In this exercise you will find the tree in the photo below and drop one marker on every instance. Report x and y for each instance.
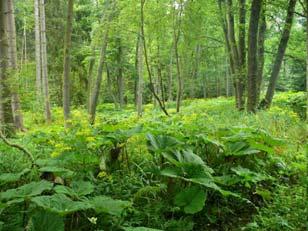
(139, 53)
(12, 62)
(41, 57)
(6, 116)
(266, 102)
(252, 75)
(67, 62)
(261, 49)
(97, 86)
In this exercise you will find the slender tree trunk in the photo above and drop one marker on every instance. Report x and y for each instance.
(140, 77)
(265, 103)
(6, 115)
(67, 62)
(90, 81)
(261, 40)
(12, 55)
(38, 51)
(97, 86)
(120, 81)
(242, 54)
(170, 77)
(224, 24)
(44, 63)
(142, 2)
(176, 37)
(252, 55)
(110, 88)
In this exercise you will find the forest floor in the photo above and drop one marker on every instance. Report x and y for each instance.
(245, 171)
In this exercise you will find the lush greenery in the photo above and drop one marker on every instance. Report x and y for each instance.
(208, 168)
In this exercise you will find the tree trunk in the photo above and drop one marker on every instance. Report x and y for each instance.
(110, 88)
(90, 81)
(38, 51)
(261, 40)
(242, 54)
(142, 2)
(97, 86)
(120, 81)
(6, 115)
(170, 77)
(176, 37)
(12, 55)
(67, 62)
(44, 63)
(252, 55)
(140, 77)
(265, 103)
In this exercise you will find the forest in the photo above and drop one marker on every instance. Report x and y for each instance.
(151, 115)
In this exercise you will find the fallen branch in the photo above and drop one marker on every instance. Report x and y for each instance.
(17, 146)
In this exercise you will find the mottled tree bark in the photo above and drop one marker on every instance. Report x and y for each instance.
(67, 62)
(252, 55)
(265, 103)
(12, 64)
(6, 115)
(242, 54)
(44, 68)
(261, 40)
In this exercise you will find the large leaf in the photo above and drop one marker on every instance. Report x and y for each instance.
(27, 190)
(46, 221)
(61, 204)
(104, 204)
(78, 189)
(12, 177)
(191, 199)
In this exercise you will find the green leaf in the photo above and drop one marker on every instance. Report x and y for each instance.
(192, 199)
(12, 177)
(60, 204)
(27, 190)
(78, 189)
(104, 204)
(46, 221)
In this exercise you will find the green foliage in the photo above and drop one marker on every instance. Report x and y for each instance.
(193, 170)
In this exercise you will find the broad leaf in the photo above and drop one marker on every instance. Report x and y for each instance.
(46, 221)
(191, 199)
(104, 204)
(60, 204)
(27, 190)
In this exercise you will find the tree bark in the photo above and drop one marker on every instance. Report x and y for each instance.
(98, 82)
(266, 103)
(12, 55)
(140, 77)
(44, 62)
(176, 37)
(67, 62)
(242, 54)
(6, 115)
(261, 40)
(120, 81)
(90, 80)
(38, 51)
(252, 55)
(170, 77)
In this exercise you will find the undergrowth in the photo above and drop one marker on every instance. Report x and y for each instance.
(208, 167)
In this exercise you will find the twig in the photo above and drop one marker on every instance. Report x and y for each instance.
(17, 146)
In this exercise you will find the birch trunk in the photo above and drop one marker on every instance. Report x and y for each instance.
(44, 68)
(12, 62)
